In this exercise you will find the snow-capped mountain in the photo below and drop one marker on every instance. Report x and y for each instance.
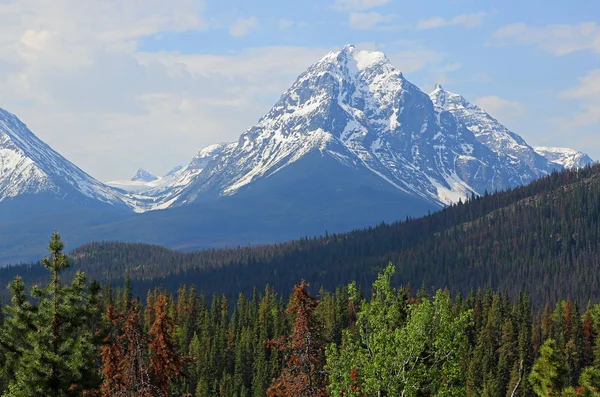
(568, 158)
(355, 107)
(30, 167)
(352, 111)
(494, 135)
(144, 176)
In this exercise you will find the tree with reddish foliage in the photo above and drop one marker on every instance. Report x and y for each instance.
(588, 340)
(124, 357)
(303, 374)
(165, 362)
(110, 354)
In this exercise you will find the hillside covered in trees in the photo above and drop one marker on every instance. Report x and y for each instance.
(543, 238)
(78, 339)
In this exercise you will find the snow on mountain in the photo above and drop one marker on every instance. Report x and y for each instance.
(568, 158)
(357, 108)
(351, 107)
(162, 192)
(144, 176)
(174, 170)
(494, 135)
(29, 166)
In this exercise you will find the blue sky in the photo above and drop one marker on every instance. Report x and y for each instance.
(120, 85)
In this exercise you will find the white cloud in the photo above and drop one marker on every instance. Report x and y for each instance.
(243, 26)
(588, 94)
(73, 71)
(557, 39)
(368, 20)
(588, 88)
(499, 108)
(466, 20)
(359, 5)
(414, 58)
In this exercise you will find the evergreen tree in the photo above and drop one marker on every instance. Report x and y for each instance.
(548, 377)
(49, 345)
(303, 374)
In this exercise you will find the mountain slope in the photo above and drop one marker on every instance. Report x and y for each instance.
(494, 135)
(568, 158)
(29, 167)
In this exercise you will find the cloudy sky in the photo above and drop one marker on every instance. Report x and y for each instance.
(117, 85)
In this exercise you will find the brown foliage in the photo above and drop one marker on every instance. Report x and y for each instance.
(303, 374)
(165, 362)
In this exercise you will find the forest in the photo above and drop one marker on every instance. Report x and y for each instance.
(543, 238)
(79, 338)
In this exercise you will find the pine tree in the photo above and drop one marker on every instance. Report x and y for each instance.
(303, 374)
(548, 377)
(51, 350)
(165, 362)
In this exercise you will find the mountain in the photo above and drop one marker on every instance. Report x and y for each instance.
(143, 176)
(355, 108)
(568, 158)
(494, 135)
(543, 238)
(35, 179)
(351, 143)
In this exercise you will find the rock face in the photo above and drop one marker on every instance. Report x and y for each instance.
(488, 131)
(567, 158)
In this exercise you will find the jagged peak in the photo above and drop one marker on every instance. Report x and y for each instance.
(144, 176)
(361, 59)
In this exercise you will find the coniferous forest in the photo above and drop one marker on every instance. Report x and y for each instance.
(78, 338)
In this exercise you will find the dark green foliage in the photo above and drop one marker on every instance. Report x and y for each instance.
(48, 343)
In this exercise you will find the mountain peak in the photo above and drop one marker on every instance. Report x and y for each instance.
(143, 176)
(356, 60)
(174, 170)
(438, 87)
(349, 48)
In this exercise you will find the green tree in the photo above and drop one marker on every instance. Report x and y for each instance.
(50, 347)
(400, 349)
(548, 377)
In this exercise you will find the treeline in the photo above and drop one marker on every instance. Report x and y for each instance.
(543, 238)
(78, 339)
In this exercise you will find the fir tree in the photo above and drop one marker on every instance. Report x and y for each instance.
(50, 347)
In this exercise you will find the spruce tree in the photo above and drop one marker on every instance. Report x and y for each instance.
(50, 346)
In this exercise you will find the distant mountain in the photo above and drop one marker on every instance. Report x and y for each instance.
(174, 170)
(143, 176)
(568, 158)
